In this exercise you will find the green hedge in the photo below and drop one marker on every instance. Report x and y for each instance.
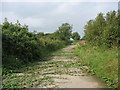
(21, 46)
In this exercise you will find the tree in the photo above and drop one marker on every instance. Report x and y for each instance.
(75, 36)
(64, 32)
(103, 30)
(110, 33)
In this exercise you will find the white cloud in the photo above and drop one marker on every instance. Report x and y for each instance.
(30, 21)
(59, 0)
(34, 22)
(11, 16)
(65, 7)
(104, 8)
(62, 8)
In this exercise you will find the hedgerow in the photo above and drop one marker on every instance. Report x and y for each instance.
(21, 46)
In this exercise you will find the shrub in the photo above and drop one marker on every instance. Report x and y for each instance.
(26, 46)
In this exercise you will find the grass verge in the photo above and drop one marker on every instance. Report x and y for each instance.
(103, 62)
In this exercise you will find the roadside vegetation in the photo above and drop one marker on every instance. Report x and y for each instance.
(26, 54)
(102, 62)
(21, 48)
(99, 49)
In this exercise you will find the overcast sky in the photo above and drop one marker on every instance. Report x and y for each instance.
(47, 15)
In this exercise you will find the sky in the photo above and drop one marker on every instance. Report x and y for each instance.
(47, 15)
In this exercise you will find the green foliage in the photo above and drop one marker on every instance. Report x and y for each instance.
(40, 34)
(102, 62)
(19, 42)
(64, 32)
(103, 30)
(75, 36)
(49, 43)
(26, 46)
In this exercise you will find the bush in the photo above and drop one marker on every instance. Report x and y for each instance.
(21, 46)
(51, 45)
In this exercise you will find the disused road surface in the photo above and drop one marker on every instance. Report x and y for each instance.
(62, 69)
(70, 74)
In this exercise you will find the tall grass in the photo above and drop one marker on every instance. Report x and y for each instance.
(104, 62)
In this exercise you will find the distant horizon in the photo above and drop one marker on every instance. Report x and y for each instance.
(48, 16)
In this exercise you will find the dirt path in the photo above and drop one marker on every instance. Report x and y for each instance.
(69, 73)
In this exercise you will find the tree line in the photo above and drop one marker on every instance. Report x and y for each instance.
(103, 30)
